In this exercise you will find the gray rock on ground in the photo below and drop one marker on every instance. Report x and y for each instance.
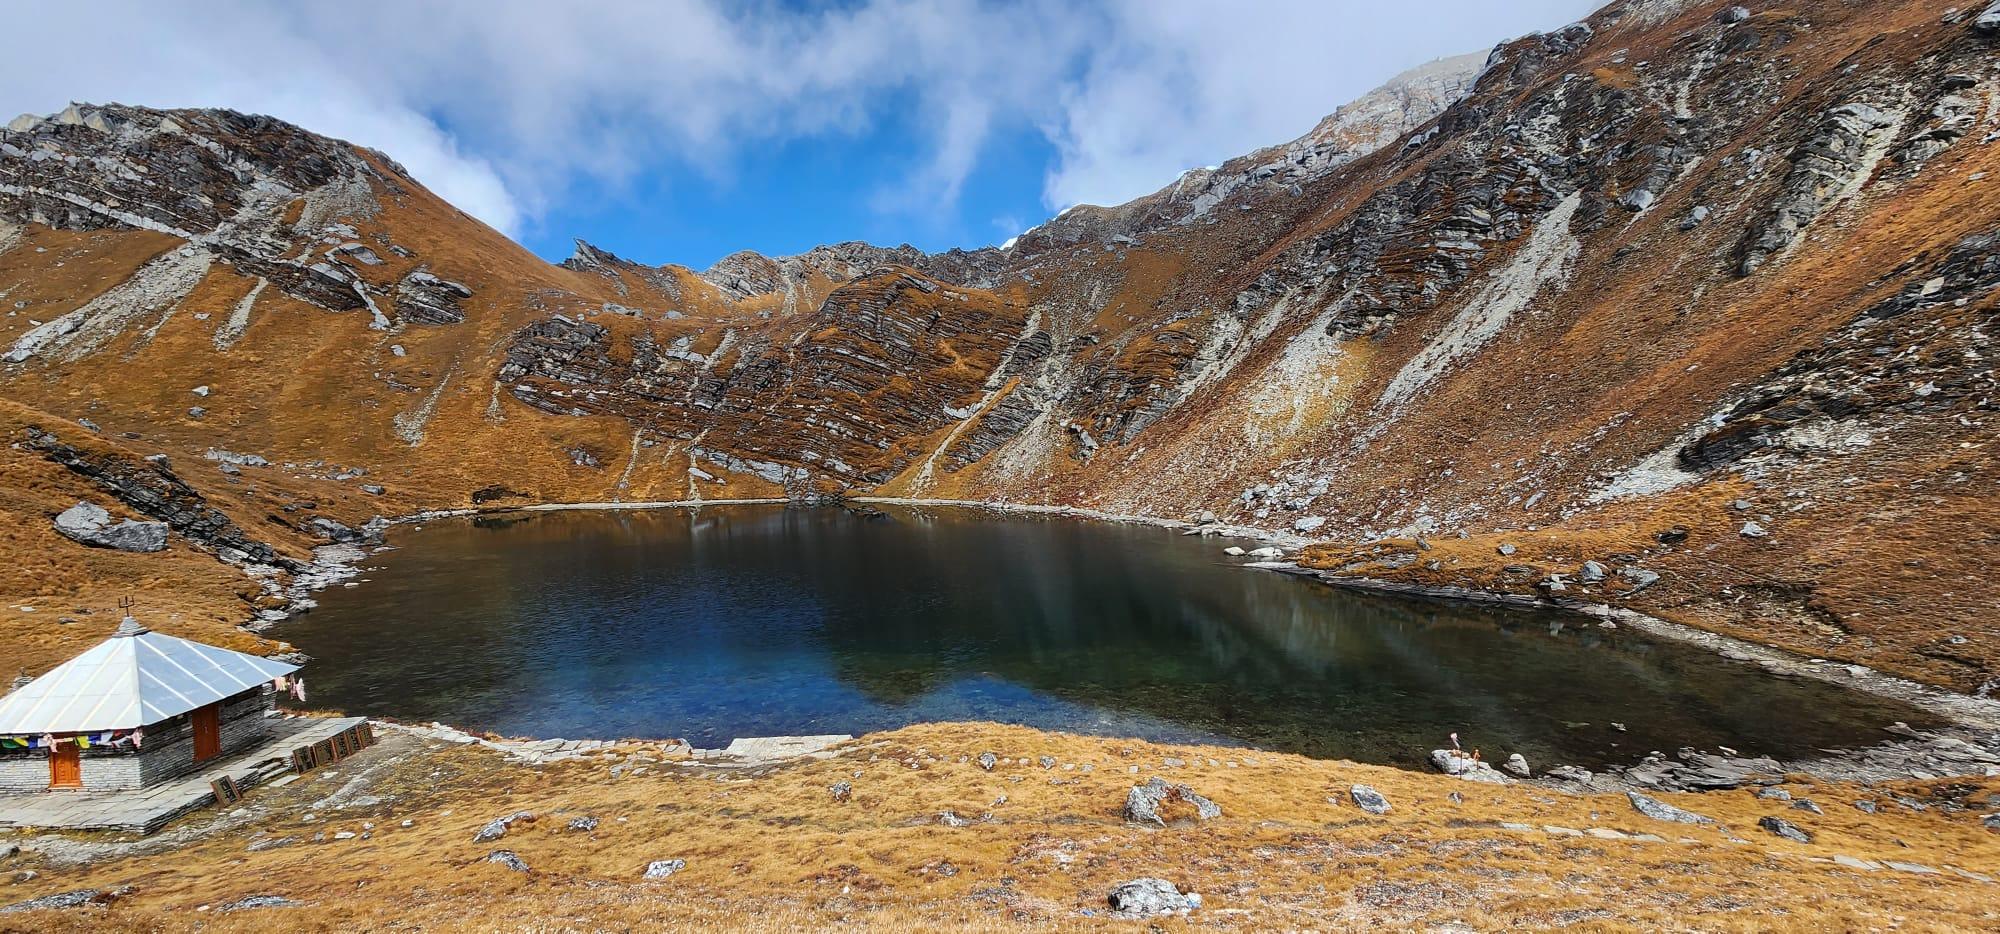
(258, 901)
(1146, 898)
(842, 792)
(1660, 810)
(507, 858)
(498, 827)
(1988, 20)
(1784, 828)
(1570, 773)
(1518, 765)
(1806, 804)
(1368, 799)
(988, 760)
(76, 899)
(1143, 802)
(90, 524)
(582, 824)
(662, 868)
(1463, 765)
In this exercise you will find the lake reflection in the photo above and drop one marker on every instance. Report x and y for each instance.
(763, 620)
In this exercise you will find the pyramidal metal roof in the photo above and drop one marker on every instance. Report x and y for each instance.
(135, 678)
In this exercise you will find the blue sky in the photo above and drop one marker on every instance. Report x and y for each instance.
(791, 195)
(682, 130)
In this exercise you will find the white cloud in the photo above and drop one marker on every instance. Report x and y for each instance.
(1183, 83)
(501, 105)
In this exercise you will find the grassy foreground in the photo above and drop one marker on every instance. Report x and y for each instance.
(772, 849)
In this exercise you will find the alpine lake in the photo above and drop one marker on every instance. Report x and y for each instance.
(720, 622)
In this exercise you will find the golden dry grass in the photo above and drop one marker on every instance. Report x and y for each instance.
(772, 850)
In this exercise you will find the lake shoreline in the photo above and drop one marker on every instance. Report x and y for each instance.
(1957, 709)
(1962, 709)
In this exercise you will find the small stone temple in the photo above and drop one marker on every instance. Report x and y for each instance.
(137, 710)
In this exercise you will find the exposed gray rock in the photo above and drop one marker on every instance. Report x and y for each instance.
(333, 530)
(1835, 155)
(1865, 807)
(1639, 578)
(507, 858)
(1047, 762)
(1732, 15)
(1463, 765)
(498, 827)
(360, 253)
(1368, 799)
(1517, 764)
(662, 868)
(1660, 810)
(582, 824)
(1590, 573)
(842, 792)
(1988, 21)
(91, 525)
(1784, 828)
(82, 518)
(1774, 794)
(258, 901)
(427, 299)
(231, 457)
(76, 899)
(1752, 529)
(950, 818)
(988, 760)
(1143, 802)
(1806, 804)
(1146, 898)
(1570, 773)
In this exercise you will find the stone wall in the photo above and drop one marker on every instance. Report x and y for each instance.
(24, 773)
(168, 751)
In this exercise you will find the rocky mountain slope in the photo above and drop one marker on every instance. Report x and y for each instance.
(1688, 307)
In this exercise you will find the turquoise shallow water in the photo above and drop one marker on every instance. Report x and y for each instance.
(764, 620)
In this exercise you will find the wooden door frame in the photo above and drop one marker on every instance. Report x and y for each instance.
(209, 717)
(69, 752)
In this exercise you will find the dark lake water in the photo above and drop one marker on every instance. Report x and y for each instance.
(763, 620)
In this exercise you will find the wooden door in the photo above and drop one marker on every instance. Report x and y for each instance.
(65, 766)
(207, 732)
